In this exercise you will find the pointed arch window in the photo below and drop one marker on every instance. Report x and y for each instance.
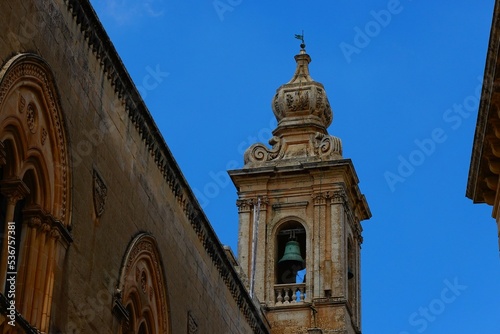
(34, 187)
(142, 289)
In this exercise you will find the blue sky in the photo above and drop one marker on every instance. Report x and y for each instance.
(402, 78)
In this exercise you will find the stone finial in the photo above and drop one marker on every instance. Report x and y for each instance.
(304, 114)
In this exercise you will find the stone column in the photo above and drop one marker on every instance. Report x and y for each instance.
(27, 273)
(14, 190)
(54, 236)
(41, 274)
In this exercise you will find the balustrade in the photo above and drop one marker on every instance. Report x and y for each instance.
(289, 293)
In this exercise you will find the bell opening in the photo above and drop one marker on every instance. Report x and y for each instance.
(291, 254)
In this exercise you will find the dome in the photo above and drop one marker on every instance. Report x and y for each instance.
(302, 99)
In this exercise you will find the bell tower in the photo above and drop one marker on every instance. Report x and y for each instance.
(300, 210)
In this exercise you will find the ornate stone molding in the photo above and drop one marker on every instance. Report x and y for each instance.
(14, 189)
(141, 260)
(248, 204)
(30, 68)
(36, 217)
(244, 205)
(320, 198)
(339, 196)
(321, 145)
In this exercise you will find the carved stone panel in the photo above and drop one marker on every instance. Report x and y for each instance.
(100, 193)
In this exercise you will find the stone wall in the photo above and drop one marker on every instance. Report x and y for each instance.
(124, 182)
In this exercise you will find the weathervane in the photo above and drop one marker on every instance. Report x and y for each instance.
(301, 37)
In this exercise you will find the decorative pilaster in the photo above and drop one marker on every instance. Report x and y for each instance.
(321, 279)
(339, 246)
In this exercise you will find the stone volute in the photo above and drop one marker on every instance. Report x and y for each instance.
(303, 113)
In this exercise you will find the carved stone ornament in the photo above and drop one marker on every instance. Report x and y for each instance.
(260, 153)
(100, 194)
(302, 96)
(327, 146)
(192, 325)
(44, 136)
(32, 117)
(144, 281)
(22, 103)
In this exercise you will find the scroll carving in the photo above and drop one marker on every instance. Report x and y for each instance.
(260, 153)
(327, 146)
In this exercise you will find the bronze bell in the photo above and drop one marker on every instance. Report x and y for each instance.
(292, 258)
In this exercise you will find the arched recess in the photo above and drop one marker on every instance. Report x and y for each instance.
(34, 185)
(290, 236)
(142, 287)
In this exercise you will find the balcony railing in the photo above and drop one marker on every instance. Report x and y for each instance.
(289, 293)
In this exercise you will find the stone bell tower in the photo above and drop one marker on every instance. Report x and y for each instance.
(303, 259)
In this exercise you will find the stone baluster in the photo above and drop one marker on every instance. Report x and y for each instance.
(279, 297)
(287, 296)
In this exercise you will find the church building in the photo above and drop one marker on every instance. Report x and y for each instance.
(100, 231)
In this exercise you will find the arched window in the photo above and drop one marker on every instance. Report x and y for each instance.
(291, 253)
(34, 186)
(143, 290)
(290, 263)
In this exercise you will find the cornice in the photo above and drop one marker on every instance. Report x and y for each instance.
(101, 46)
(489, 89)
